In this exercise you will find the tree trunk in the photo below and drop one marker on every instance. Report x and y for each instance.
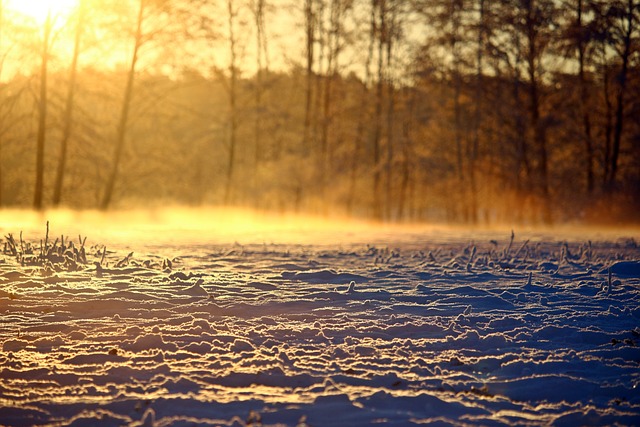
(620, 98)
(332, 68)
(327, 100)
(608, 127)
(457, 89)
(358, 141)
(454, 14)
(390, 112)
(259, 22)
(233, 69)
(523, 169)
(42, 117)
(319, 148)
(541, 184)
(124, 113)
(260, 48)
(407, 122)
(68, 116)
(377, 127)
(479, 95)
(310, 40)
(585, 102)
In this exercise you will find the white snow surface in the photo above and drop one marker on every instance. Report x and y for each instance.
(406, 330)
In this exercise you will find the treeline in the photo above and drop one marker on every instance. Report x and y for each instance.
(467, 110)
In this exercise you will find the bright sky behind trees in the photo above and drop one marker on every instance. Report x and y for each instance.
(39, 9)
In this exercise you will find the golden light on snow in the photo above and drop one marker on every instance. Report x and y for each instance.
(441, 325)
(40, 9)
(188, 225)
(229, 225)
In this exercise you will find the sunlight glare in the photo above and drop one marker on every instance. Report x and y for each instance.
(39, 9)
(244, 226)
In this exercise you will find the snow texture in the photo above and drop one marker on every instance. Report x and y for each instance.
(448, 333)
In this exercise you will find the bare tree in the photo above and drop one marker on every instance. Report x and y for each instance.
(582, 37)
(69, 106)
(12, 92)
(138, 40)
(393, 35)
(622, 19)
(310, 39)
(474, 147)
(363, 111)
(333, 36)
(534, 24)
(333, 52)
(42, 115)
(233, 95)
(262, 64)
(379, 6)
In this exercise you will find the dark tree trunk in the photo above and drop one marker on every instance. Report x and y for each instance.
(319, 79)
(523, 170)
(457, 107)
(333, 52)
(479, 95)
(124, 113)
(377, 127)
(541, 184)
(390, 110)
(407, 123)
(608, 127)
(358, 141)
(620, 98)
(260, 50)
(585, 101)
(310, 52)
(457, 90)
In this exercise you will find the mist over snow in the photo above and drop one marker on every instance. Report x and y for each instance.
(293, 325)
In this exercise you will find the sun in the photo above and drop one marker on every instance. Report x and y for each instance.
(39, 9)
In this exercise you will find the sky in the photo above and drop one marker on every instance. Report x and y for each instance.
(40, 9)
(285, 41)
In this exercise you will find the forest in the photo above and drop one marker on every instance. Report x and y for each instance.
(465, 111)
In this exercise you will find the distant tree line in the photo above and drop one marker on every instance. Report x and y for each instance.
(471, 111)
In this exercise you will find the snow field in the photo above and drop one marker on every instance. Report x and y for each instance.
(498, 332)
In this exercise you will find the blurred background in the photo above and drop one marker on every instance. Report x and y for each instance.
(459, 111)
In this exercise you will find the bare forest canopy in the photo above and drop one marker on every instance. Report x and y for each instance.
(470, 111)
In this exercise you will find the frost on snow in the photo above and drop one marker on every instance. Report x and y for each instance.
(449, 332)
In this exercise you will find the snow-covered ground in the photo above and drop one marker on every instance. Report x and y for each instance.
(396, 328)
